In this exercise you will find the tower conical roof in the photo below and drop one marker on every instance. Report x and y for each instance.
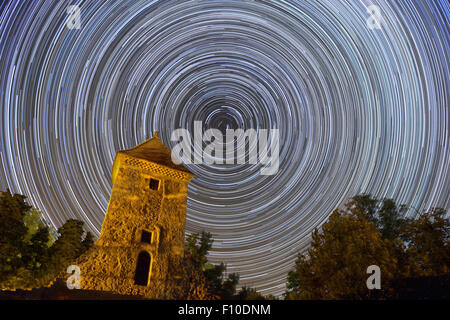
(155, 151)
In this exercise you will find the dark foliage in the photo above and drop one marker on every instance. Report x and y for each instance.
(413, 254)
(29, 256)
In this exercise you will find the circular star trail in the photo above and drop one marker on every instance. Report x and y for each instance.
(359, 110)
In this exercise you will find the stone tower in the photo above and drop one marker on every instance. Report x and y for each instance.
(143, 230)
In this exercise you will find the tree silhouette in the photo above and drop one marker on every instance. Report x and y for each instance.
(31, 257)
(198, 278)
(366, 232)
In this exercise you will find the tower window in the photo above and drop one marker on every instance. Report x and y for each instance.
(142, 272)
(146, 237)
(154, 184)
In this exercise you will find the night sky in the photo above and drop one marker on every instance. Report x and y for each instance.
(359, 110)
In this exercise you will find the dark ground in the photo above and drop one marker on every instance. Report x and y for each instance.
(59, 291)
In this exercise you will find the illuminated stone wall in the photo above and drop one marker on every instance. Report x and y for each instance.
(134, 207)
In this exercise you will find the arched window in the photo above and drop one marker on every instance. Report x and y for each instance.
(142, 268)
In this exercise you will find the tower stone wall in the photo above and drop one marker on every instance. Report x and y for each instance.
(145, 217)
